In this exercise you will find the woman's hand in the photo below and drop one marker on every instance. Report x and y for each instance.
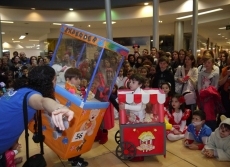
(59, 114)
(180, 80)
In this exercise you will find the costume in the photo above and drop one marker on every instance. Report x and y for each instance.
(71, 88)
(200, 136)
(221, 146)
(11, 120)
(178, 120)
(137, 111)
(167, 102)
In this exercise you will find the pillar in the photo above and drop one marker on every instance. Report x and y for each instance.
(156, 23)
(1, 48)
(178, 35)
(194, 27)
(108, 19)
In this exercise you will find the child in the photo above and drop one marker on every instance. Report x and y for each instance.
(120, 81)
(144, 71)
(177, 116)
(163, 75)
(208, 78)
(147, 83)
(197, 133)
(166, 87)
(152, 72)
(72, 76)
(137, 110)
(218, 145)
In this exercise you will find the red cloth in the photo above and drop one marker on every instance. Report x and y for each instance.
(108, 120)
(210, 99)
(167, 101)
(10, 155)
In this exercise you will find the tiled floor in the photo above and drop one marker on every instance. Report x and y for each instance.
(104, 156)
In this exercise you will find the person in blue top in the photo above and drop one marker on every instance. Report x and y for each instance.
(41, 82)
(197, 132)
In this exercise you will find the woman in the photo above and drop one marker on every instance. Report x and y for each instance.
(41, 82)
(182, 54)
(175, 61)
(186, 78)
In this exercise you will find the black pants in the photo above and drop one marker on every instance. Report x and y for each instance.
(211, 124)
(2, 160)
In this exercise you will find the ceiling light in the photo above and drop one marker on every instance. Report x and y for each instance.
(113, 22)
(3, 32)
(33, 40)
(22, 37)
(146, 4)
(219, 34)
(89, 25)
(38, 45)
(223, 36)
(16, 41)
(58, 24)
(71, 9)
(226, 38)
(7, 22)
(201, 13)
(222, 28)
(12, 39)
(160, 21)
(32, 8)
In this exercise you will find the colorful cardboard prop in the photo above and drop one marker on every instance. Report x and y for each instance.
(147, 137)
(76, 48)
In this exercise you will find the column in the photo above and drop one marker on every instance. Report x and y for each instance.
(194, 27)
(108, 19)
(1, 49)
(178, 35)
(156, 23)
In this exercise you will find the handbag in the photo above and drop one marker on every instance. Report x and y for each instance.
(36, 160)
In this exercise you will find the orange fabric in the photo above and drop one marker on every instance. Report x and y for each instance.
(68, 87)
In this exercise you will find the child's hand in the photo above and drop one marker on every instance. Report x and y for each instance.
(176, 132)
(209, 153)
(122, 106)
(193, 146)
(186, 143)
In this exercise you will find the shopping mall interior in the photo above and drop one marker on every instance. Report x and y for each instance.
(33, 27)
(130, 19)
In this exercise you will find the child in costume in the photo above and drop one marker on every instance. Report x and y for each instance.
(177, 116)
(72, 76)
(166, 87)
(218, 145)
(197, 133)
(136, 111)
